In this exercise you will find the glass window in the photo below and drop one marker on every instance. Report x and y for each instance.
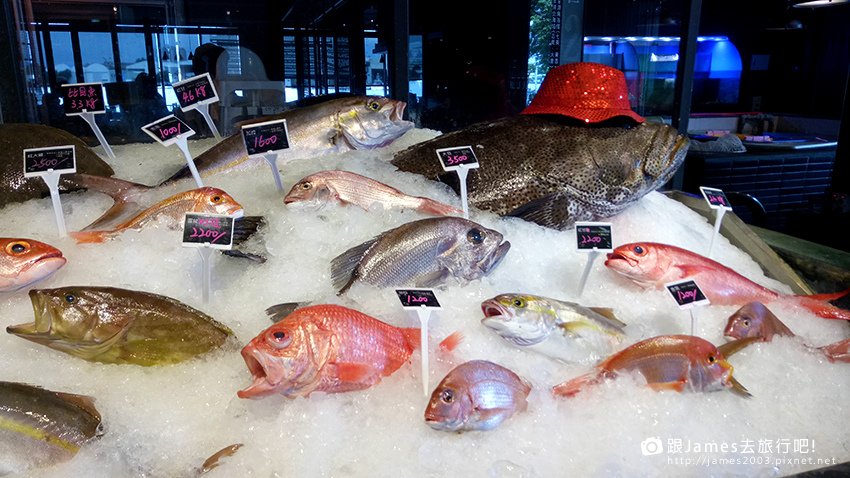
(133, 55)
(63, 57)
(98, 58)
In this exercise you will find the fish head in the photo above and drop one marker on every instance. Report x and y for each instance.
(313, 188)
(520, 319)
(666, 151)
(26, 261)
(640, 262)
(470, 250)
(285, 358)
(372, 122)
(749, 321)
(215, 201)
(450, 406)
(710, 370)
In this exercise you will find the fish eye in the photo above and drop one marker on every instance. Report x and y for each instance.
(747, 322)
(519, 302)
(639, 250)
(216, 199)
(18, 247)
(70, 298)
(374, 105)
(306, 185)
(475, 236)
(711, 359)
(279, 339)
(447, 396)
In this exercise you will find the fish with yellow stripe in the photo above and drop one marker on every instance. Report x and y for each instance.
(40, 427)
(562, 330)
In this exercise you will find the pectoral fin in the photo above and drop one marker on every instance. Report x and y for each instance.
(355, 372)
(608, 313)
(344, 266)
(551, 211)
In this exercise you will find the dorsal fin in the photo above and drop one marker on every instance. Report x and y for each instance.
(83, 402)
(344, 266)
(277, 312)
(608, 313)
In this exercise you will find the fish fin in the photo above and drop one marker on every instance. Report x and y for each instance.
(608, 313)
(738, 389)
(551, 210)
(344, 266)
(83, 402)
(412, 335)
(828, 297)
(660, 386)
(278, 312)
(451, 342)
(125, 194)
(91, 237)
(838, 351)
(731, 348)
(433, 279)
(245, 227)
(213, 460)
(244, 255)
(429, 206)
(572, 387)
(573, 329)
(821, 308)
(355, 372)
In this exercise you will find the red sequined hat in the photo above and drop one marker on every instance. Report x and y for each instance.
(591, 92)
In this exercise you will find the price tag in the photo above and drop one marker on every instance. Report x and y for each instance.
(417, 298)
(208, 230)
(594, 236)
(687, 294)
(453, 158)
(715, 198)
(39, 161)
(168, 130)
(195, 91)
(262, 138)
(79, 98)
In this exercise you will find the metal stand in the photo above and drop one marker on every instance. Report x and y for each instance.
(591, 258)
(89, 117)
(183, 144)
(204, 109)
(424, 315)
(461, 173)
(693, 321)
(718, 218)
(271, 158)
(51, 178)
(206, 256)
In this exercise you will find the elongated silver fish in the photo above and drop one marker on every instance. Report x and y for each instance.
(352, 188)
(334, 126)
(423, 253)
(41, 427)
(476, 395)
(551, 172)
(562, 330)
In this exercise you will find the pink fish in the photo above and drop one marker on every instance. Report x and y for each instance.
(26, 261)
(351, 188)
(653, 264)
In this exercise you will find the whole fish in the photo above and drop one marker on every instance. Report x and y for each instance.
(26, 261)
(333, 126)
(14, 138)
(352, 188)
(757, 321)
(40, 428)
(550, 171)
(652, 264)
(326, 348)
(119, 326)
(476, 395)
(562, 330)
(422, 253)
(668, 362)
(202, 200)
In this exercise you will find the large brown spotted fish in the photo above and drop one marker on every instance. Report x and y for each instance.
(553, 171)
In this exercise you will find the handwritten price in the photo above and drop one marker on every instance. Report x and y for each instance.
(90, 104)
(688, 295)
(169, 132)
(590, 239)
(204, 233)
(45, 163)
(260, 142)
(200, 92)
(716, 199)
(453, 159)
(416, 300)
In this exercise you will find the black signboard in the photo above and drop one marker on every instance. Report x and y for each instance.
(212, 230)
(261, 138)
(60, 159)
(195, 90)
(453, 158)
(687, 294)
(594, 236)
(417, 298)
(716, 198)
(168, 129)
(79, 98)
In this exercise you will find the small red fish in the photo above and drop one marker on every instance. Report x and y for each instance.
(202, 200)
(756, 320)
(25, 261)
(653, 264)
(327, 348)
(668, 362)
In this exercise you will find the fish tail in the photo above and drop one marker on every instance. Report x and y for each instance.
(451, 342)
(821, 308)
(429, 206)
(828, 297)
(837, 352)
(91, 237)
(412, 337)
(572, 387)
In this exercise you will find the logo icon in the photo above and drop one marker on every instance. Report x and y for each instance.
(651, 446)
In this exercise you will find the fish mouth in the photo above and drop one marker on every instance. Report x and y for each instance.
(38, 330)
(440, 423)
(263, 383)
(492, 309)
(41, 268)
(493, 260)
(615, 256)
(236, 212)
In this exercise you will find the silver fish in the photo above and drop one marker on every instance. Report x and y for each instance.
(422, 253)
(476, 395)
(551, 172)
(562, 330)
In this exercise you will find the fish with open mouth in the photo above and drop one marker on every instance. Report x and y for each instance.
(327, 348)
(423, 253)
(40, 428)
(119, 326)
(565, 331)
(24, 262)
(668, 362)
(352, 188)
(650, 264)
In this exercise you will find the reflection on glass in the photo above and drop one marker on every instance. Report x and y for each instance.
(63, 57)
(377, 77)
(133, 56)
(98, 59)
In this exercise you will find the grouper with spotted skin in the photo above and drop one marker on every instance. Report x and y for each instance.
(554, 171)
